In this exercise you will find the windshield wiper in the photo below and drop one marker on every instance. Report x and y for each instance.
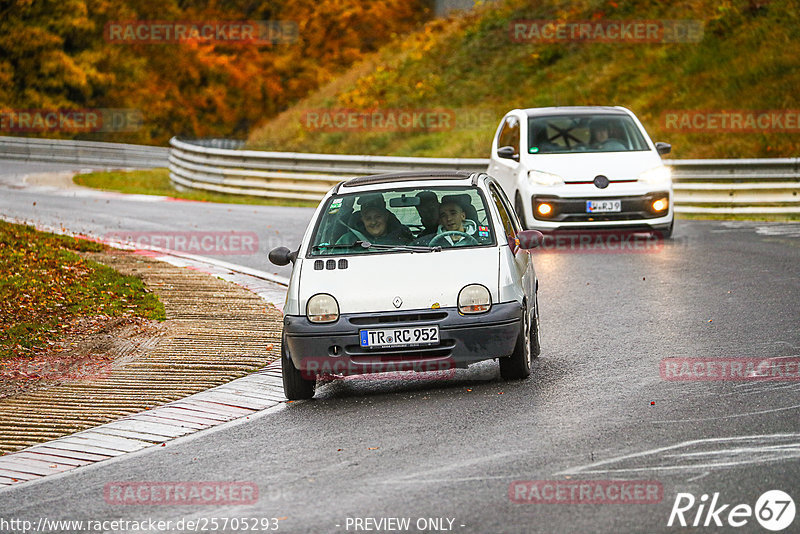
(317, 248)
(378, 246)
(409, 248)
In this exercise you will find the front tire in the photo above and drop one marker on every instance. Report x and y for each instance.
(536, 335)
(295, 387)
(518, 365)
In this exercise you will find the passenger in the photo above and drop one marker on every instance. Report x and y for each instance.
(378, 225)
(428, 210)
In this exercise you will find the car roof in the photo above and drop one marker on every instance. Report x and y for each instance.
(410, 176)
(575, 110)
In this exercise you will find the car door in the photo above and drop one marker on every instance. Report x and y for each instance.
(505, 170)
(521, 259)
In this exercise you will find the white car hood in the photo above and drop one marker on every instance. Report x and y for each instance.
(581, 167)
(371, 282)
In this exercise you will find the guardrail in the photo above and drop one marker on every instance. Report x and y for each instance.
(90, 153)
(722, 186)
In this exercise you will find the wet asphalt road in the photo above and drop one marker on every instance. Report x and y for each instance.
(595, 407)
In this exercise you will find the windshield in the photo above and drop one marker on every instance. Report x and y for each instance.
(568, 134)
(398, 220)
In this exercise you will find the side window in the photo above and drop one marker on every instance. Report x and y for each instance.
(509, 134)
(508, 222)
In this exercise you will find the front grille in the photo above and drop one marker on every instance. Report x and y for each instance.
(398, 318)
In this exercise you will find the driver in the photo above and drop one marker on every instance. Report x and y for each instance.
(599, 136)
(453, 218)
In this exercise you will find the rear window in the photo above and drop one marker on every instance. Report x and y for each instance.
(400, 220)
(570, 134)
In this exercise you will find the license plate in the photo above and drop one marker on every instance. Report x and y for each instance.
(400, 337)
(603, 206)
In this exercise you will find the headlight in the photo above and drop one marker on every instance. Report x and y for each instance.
(657, 175)
(322, 308)
(474, 298)
(545, 178)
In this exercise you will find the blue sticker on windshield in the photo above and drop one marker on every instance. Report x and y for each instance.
(533, 149)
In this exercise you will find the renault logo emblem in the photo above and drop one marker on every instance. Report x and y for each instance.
(397, 302)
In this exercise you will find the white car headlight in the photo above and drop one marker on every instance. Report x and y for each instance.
(545, 178)
(474, 298)
(657, 175)
(322, 308)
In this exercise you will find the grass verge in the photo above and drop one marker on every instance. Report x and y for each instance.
(45, 285)
(157, 182)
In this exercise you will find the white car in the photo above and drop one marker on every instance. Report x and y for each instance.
(415, 271)
(583, 168)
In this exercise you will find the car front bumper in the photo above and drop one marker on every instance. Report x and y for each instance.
(569, 212)
(463, 339)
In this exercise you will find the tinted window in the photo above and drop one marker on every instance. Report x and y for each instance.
(509, 134)
(568, 134)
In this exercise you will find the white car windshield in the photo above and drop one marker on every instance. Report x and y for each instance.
(569, 134)
(415, 220)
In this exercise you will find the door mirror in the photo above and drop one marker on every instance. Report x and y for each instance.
(529, 239)
(663, 148)
(507, 152)
(282, 256)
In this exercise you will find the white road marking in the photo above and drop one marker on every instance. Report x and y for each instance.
(736, 456)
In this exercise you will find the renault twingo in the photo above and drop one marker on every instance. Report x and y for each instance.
(378, 284)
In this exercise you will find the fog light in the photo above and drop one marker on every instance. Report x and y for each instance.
(661, 204)
(544, 209)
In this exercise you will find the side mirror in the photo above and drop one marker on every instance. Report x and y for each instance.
(282, 256)
(507, 152)
(529, 239)
(663, 148)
